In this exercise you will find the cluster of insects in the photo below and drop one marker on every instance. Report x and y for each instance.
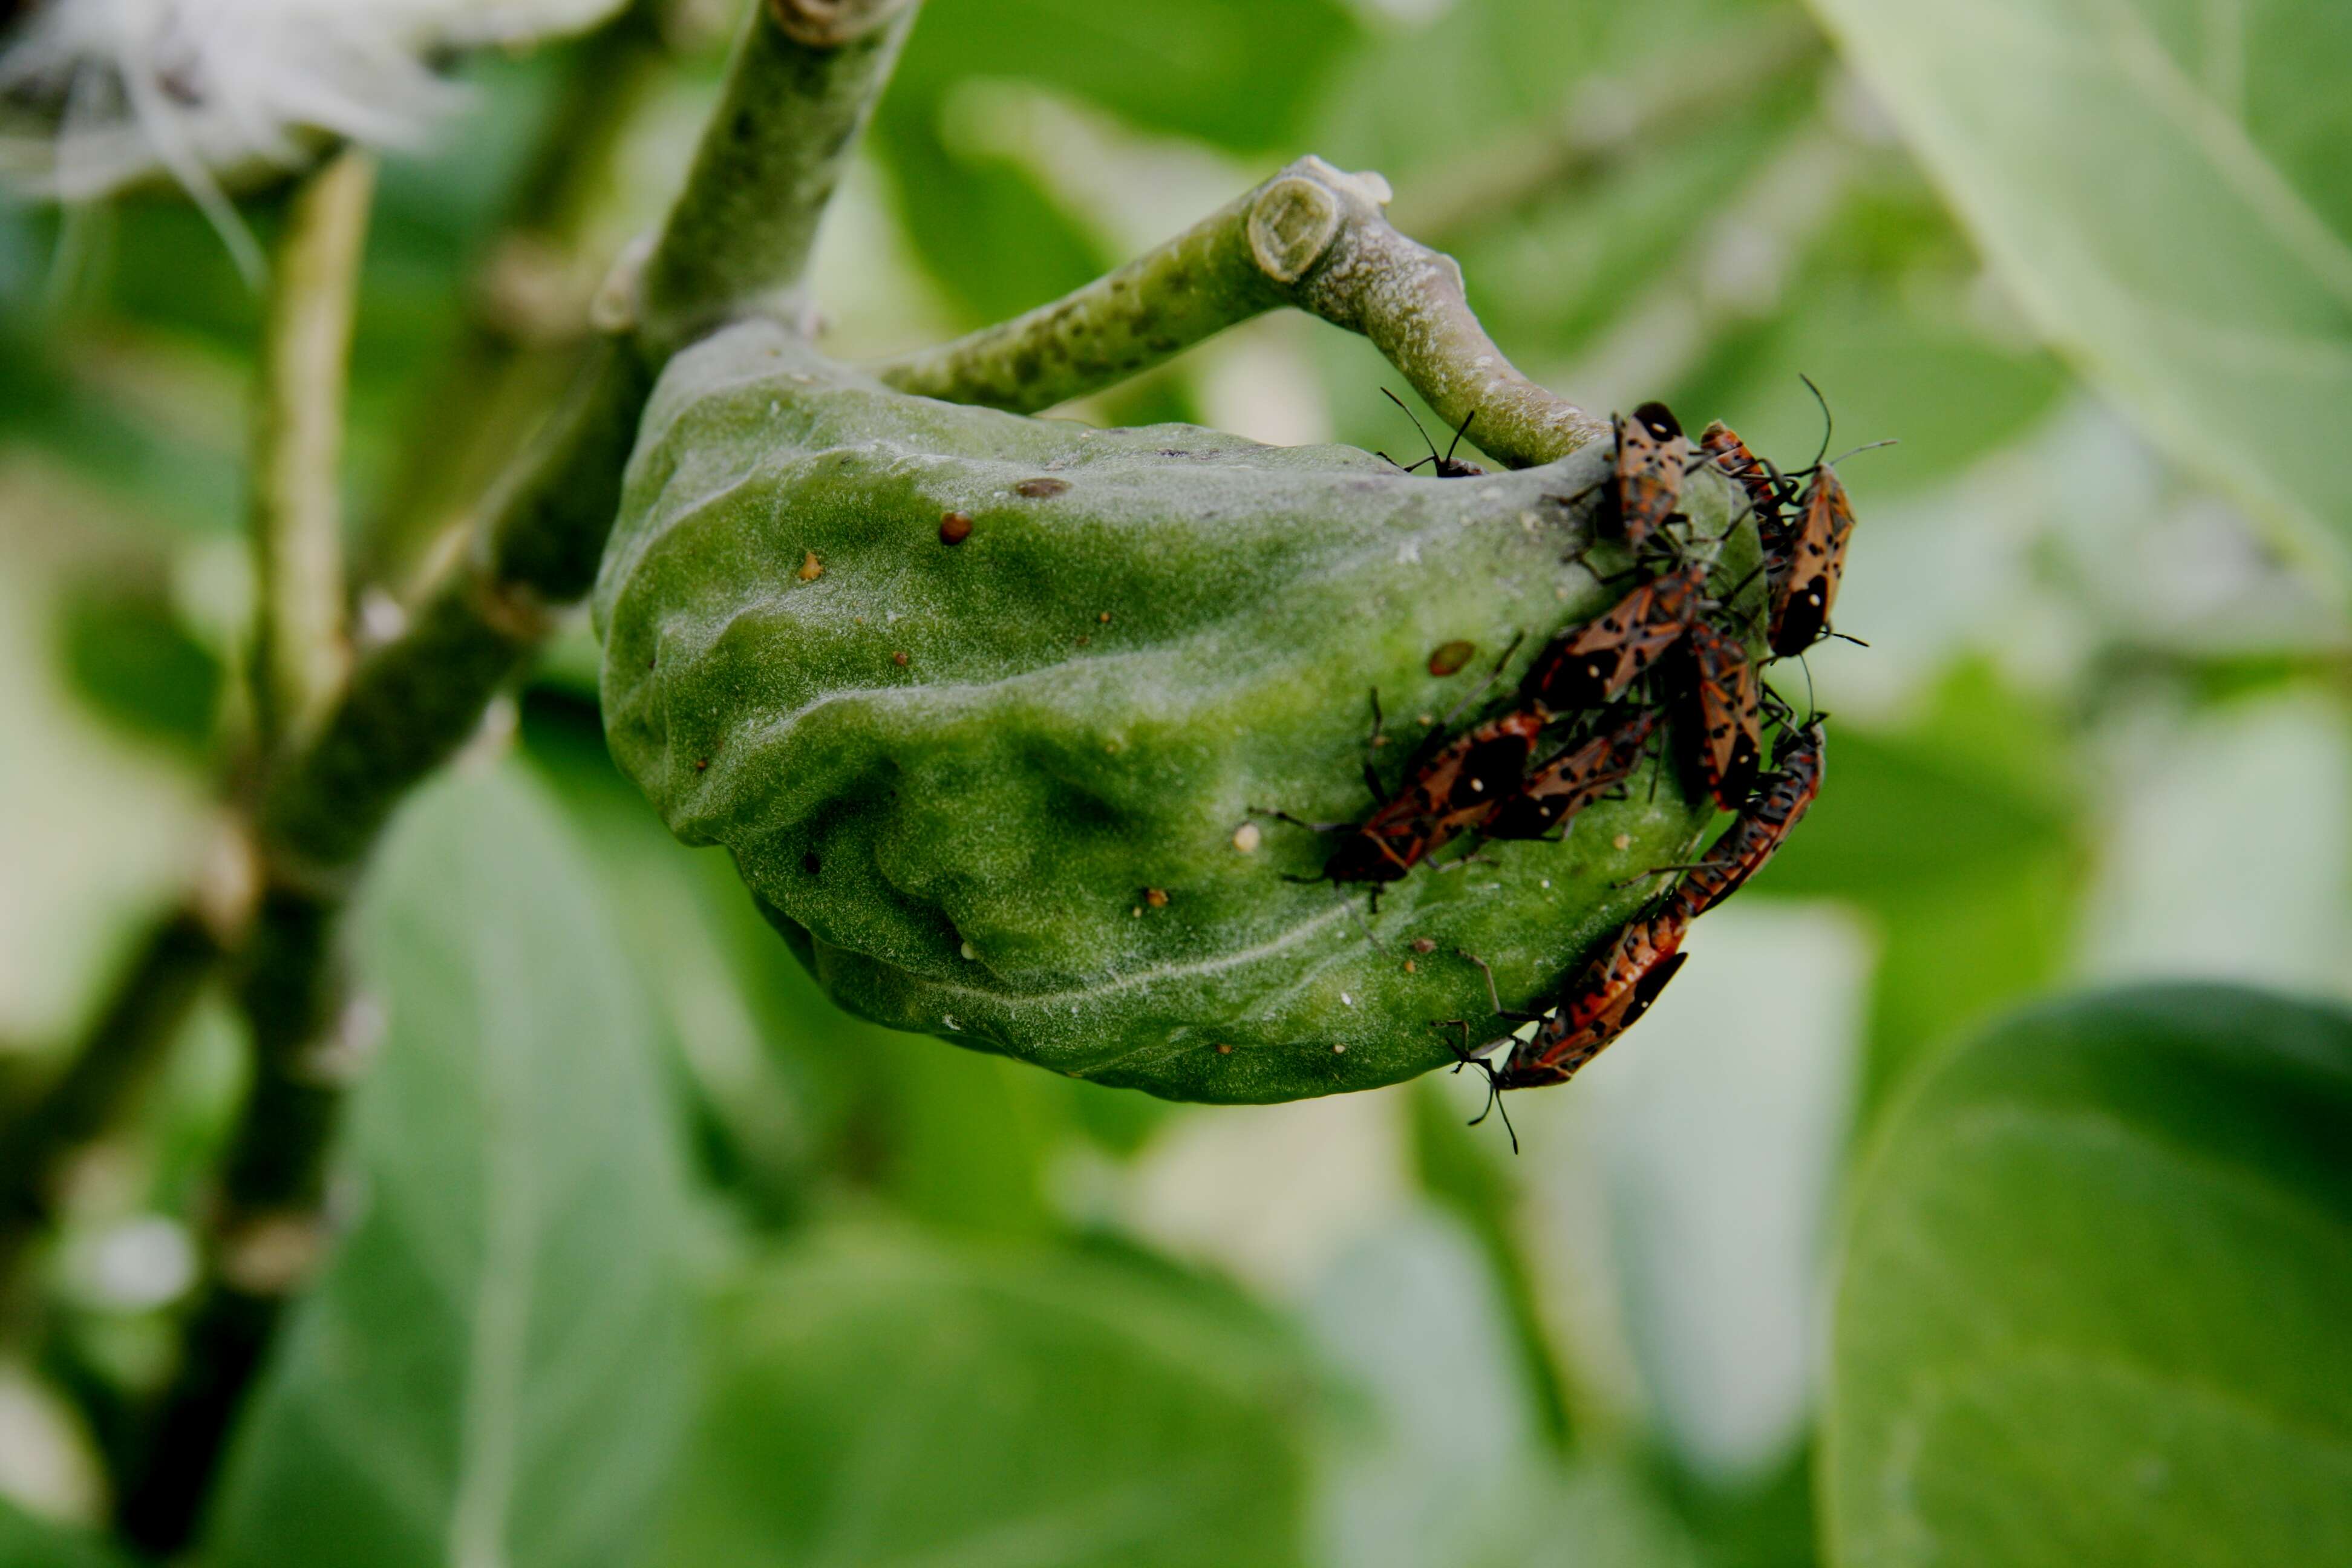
(1595, 704)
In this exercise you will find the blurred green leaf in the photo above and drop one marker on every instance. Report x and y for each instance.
(1905, 816)
(128, 654)
(2091, 1307)
(1962, 834)
(494, 1367)
(1235, 73)
(1882, 319)
(875, 1399)
(29, 1543)
(970, 1136)
(1465, 111)
(984, 227)
(51, 398)
(1423, 94)
(1772, 1524)
(1959, 951)
(2164, 187)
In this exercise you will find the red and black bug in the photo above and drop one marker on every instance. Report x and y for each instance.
(1446, 466)
(1724, 694)
(1647, 477)
(1767, 490)
(1553, 794)
(1811, 564)
(1762, 827)
(1594, 663)
(1449, 787)
(1607, 999)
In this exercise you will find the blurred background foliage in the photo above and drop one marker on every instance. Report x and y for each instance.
(969, 1312)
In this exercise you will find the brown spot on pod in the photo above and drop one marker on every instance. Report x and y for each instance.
(899, 658)
(1038, 489)
(812, 568)
(1156, 897)
(1449, 657)
(955, 527)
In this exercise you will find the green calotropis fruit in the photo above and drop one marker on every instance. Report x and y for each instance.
(1001, 790)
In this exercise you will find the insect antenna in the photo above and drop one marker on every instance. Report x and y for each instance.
(1829, 420)
(1458, 434)
(1850, 451)
(1843, 638)
(1425, 441)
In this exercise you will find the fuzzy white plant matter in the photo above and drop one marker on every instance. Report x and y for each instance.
(97, 96)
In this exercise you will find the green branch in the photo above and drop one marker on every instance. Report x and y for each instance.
(1311, 237)
(300, 653)
(136, 1025)
(799, 92)
(1686, 94)
(526, 330)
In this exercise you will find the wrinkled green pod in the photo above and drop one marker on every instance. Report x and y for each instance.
(1147, 633)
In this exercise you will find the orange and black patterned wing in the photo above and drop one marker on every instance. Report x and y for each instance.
(1555, 793)
(1610, 995)
(1730, 749)
(1651, 453)
(1752, 474)
(1592, 665)
(1762, 827)
(1805, 592)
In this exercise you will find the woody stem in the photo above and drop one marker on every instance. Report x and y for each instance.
(1311, 237)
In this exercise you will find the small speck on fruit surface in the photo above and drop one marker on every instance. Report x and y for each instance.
(701, 765)
(1622, 841)
(1339, 1050)
(968, 951)
(1410, 967)
(1038, 489)
(955, 527)
(1425, 719)
(1449, 657)
(1423, 944)
(1224, 1050)
(1156, 897)
(899, 658)
(811, 568)
(1137, 911)
(1103, 617)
